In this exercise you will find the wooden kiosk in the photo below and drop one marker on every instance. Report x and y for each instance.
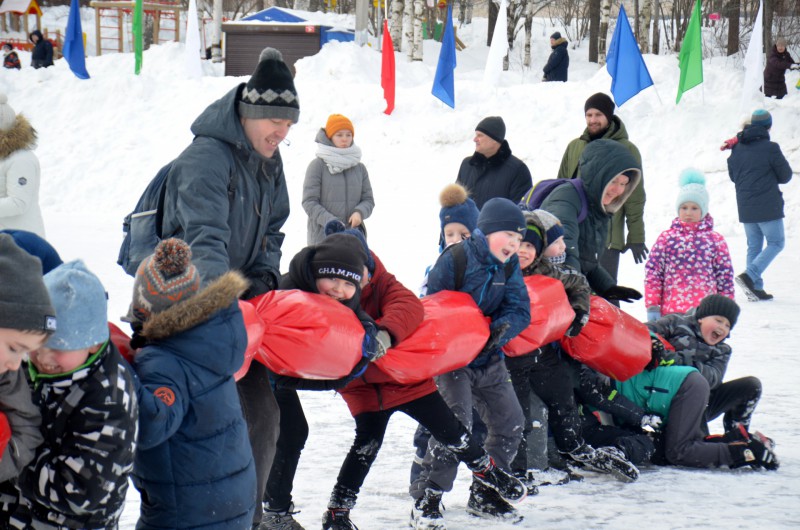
(110, 22)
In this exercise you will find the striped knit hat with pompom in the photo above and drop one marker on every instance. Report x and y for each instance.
(693, 189)
(163, 279)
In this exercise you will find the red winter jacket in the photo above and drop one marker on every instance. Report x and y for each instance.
(398, 311)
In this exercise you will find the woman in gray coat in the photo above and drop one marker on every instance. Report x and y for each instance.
(337, 183)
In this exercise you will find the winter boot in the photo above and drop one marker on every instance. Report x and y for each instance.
(531, 486)
(545, 477)
(427, 512)
(751, 449)
(279, 519)
(507, 486)
(487, 503)
(337, 519)
(748, 287)
(608, 460)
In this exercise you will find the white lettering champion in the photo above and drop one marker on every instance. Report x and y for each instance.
(342, 273)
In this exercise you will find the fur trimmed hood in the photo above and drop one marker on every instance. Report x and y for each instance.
(218, 295)
(20, 136)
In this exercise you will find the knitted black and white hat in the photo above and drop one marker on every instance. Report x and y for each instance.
(270, 92)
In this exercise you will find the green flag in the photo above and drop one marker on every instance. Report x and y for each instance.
(691, 57)
(138, 41)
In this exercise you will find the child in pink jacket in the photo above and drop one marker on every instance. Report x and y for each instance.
(690, 260)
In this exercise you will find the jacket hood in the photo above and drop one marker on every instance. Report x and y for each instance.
(559, 42)
(20, 136)
(322, 138)
(218, 295)
(220, 120)
(300, 277)
(496, 159)
(37, 33)
(600, 162)
(753, 133)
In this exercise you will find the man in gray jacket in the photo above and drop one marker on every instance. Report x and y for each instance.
(234, 166)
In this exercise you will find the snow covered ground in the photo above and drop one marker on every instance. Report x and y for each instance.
(103, 139)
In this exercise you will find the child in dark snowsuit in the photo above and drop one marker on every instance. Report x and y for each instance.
(545, 371)
(192, 342)
(492, 277)
(373, 398)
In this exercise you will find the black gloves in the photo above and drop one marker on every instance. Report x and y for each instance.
(639, 251)
(581, 318)
(623, 294)
(495, 338)
(259, 286)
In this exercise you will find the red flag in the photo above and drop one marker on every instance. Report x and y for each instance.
(387, 69)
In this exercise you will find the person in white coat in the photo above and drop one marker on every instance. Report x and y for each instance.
(19, 173)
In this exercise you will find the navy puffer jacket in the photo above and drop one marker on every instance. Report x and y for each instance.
(756, 167)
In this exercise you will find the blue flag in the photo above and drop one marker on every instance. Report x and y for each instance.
(73, 42)
(624, 62)
(444, 80)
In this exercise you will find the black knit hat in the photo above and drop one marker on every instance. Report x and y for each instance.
(717, 304)
(500, 215)
(339, 256)
(601, 102)
(555, 36)
(494, 127)
(270, 93)
(24, 300)
(533, 235)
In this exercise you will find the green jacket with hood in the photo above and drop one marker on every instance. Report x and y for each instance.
(600, 162)
(632, 212)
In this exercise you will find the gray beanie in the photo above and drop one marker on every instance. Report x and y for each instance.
(270, 92)
(552, 226)
(494, 127)
(24, 302)
(81, 305)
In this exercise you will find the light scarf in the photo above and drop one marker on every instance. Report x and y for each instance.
(339, 158)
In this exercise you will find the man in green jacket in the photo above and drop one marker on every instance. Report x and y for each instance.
(602, 123)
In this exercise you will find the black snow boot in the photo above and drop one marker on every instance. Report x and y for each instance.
(486, 503)
(610, 460)
(337, 519)
(529, 481)
(506, 485)
(427, 512)
(752, 449)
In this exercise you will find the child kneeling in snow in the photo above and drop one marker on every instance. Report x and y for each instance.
(194, 466)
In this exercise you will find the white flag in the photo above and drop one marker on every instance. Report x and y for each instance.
(754, 65)
(193, 66)
(498, 49)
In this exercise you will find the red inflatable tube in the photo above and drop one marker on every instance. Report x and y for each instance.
(612, 342)
(255, 333)
(308, 335)
(451, 335)
(551, 316)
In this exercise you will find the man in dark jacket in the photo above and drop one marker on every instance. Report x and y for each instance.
(493, 171)
(235, 150)
(42, 54)
(778, 62)
(558, 62)
(756, 167)
(610, 173)
(602, 123)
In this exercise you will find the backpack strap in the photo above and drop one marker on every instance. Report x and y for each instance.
(578, 184)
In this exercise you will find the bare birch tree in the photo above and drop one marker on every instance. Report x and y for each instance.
(644, 31)
(396, 24)
(605, 15)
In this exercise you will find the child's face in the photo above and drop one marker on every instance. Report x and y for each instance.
(715, 329)
(455, 233)
(343, 138)
(336, 288)
(690, 212)
(555, 249)
(504, 244)
(615, 188)
(14, 344)
(53, 362)
(527, 253)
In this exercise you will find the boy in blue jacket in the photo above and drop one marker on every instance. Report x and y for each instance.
(194, 466)
(490, 273)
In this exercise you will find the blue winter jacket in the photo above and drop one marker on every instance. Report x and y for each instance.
(504, 300)
(558, 63)
(194, 465)
(756, 167)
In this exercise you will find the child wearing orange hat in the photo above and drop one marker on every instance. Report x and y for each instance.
(337, 183)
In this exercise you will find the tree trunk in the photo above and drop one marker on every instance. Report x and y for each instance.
(469, 12)
(636, 20)
(594, 29)
(416, 44)
(769, 11)
(605, 14)
(656, 26)
(408, 25)
(734, 8)
(462, 12)
(216, 33)
(493, 10)
(528, 29)
(396, 24)
(646, 21)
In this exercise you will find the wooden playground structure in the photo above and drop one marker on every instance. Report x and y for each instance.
(110, 28)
